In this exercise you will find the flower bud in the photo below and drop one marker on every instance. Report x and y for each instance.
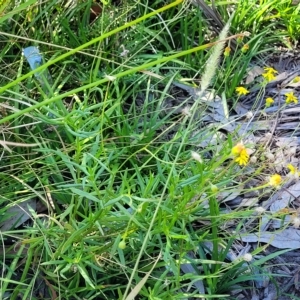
(122, 245)
(214, 188)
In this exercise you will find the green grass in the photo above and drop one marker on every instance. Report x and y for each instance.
(125, 204)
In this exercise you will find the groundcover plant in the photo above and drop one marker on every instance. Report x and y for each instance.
(143, 148)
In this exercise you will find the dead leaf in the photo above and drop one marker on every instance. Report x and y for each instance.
(285, 239)
(242, 109)
(287, 197)
(20, 214)
(294, 84)
(246, 202)
(188, 268)
(230, 194)
(253, 73)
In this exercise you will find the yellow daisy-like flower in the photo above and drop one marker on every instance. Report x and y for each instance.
(269, 101)
(241, 90)
(270, 70)
(275, 180)
(240, 153)
(243, 158)
(290, 97)
(236, 150)
(292, 169)
(269, 74)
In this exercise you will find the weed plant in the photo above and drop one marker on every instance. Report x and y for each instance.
(118, 193)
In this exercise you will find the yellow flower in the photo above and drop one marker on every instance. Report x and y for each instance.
(270, 70)
(290, 97)
(269, 74)
(269, 101)
(292, 169)
(243, 158)
(237, 149)
(241, 90)
(240, 153)
(275, 180)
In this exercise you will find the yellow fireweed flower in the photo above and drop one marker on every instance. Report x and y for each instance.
(243, 158)
(292, 169)
(269, 101)
(240, 154)
(269, 74)
(236, 150)
(290, 97)
(270, 70)
(275, 180)
(241, 91)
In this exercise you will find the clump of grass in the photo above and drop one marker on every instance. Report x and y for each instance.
(121, 184)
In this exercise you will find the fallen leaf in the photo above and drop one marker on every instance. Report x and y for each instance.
(19, 214)
(285, 239)
(230, 194)
(253, 73)
(287, 197)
